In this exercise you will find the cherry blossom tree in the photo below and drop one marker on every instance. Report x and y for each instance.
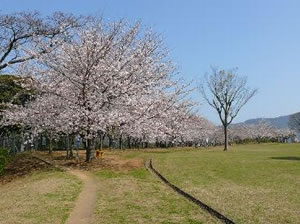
(285, 134)
(109, 79)
(157, 118)
(23, 33)
(104, 71)
(260, 132)
(294, 122)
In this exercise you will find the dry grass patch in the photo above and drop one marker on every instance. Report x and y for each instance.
(42, 197)
(21, 165)
(109, 161)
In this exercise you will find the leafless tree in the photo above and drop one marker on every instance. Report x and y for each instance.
(294, 122)
(227, 93)
(22, 32)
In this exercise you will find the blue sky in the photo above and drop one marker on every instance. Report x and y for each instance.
(260, 37)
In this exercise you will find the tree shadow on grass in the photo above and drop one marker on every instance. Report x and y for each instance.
(287, 158)
(167, 151)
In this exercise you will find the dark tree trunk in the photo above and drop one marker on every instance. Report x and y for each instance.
(135, 143)
(101, 141)
(226, 138)
(156, 143)
(110, 141)
(50, 145)
(129, 142)
(139, 144)
(69, 147)
(120, 142)
(88, 149)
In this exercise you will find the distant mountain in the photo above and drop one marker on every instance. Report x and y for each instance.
(278, 122)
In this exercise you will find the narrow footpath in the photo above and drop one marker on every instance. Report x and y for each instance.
(83, 211)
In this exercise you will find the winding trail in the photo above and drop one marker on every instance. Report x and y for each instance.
(83, 211)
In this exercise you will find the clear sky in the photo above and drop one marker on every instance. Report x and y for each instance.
(260, 37)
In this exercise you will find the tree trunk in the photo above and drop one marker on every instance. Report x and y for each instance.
(101, 141)
(110, 141)
(50, 145)
(139, 144)
(71, 145)
(156, 143)
(22, 149)
(88, 150)
(68, 147)
(120, 142)
(129, 142)
(226, 138)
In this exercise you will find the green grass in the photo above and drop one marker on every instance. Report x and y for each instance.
(42, 197)
(136, 196)
(257, 183)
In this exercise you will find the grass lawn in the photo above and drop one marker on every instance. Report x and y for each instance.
(41, 197)
(137, 196)
(257, 183)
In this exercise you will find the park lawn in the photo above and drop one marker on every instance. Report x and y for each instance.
(136, 196)
(257, 183)
(40, 197)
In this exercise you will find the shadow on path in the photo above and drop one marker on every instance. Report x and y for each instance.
(287, 158)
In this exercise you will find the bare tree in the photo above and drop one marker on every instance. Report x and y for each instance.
(227, 93)
(22, 32)
(294, 122)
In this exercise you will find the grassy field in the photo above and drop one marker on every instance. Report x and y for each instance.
(138, 197)
(257, 183)
(41, 197)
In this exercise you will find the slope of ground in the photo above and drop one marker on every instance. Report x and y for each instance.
(22, 165)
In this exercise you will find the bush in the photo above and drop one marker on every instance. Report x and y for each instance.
(3, 159)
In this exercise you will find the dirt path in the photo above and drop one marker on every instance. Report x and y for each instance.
(83, 211)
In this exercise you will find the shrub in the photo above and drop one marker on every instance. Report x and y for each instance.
(3, 159)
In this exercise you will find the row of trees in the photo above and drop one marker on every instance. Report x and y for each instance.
(294, 122)
(260, 132)
(90, 78)
(98, 78)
